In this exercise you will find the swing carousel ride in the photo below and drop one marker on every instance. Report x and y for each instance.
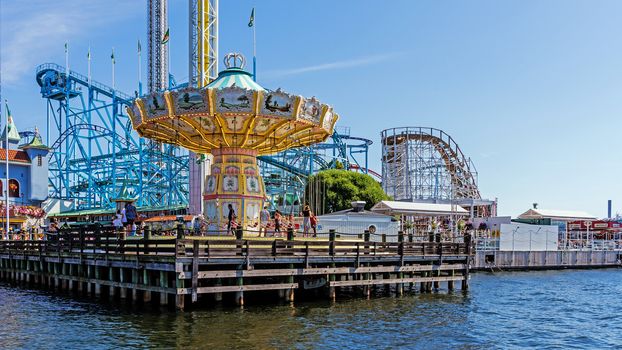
(236, 120)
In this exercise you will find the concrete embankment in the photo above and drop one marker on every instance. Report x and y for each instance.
(540, 260)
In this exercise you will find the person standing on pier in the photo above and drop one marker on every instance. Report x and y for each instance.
(230, 220)
(314, 224)
(130, 215)
(306, 224)
(264, 217)
(118, 220)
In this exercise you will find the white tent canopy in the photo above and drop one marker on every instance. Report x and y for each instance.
(562, 215)
(418, 209)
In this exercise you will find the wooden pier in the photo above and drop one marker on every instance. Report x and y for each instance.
(183, 270)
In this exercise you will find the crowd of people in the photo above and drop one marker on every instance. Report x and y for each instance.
(271, 224)
(277, 224)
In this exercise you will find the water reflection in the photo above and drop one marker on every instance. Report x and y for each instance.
(507, 310)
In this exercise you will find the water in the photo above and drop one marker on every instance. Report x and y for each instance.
(546, 310)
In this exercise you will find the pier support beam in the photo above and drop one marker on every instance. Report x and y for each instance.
(179, 283)
(239, 295)
(450, 284)
(290, 292)
(163, 284)
(147, 281)
(332, 293)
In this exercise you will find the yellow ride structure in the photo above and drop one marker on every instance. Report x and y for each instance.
(236, 120)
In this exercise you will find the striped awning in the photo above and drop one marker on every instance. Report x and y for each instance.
(235, 76)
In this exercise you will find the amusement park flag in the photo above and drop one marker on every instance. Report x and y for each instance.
(8, 111)
(166, 37)
(139, 48)
(112, 56)
(251, 21)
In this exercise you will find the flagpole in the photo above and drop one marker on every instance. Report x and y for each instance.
(6, 149)
(67, 59)
(254, 49)
(140, 81)
(89, 70)
(112, 57)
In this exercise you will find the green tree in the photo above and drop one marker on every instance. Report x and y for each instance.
(338, 188)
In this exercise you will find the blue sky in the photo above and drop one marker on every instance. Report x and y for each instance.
(529, 89)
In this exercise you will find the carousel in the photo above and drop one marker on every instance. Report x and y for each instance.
(236, 120)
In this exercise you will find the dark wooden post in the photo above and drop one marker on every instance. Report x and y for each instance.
(180, 230)
(400, 236)
(239, 233)
(384, 238)
(146, 238)
(290, 234)
(410, 237)
(331, 238)
(366, 236)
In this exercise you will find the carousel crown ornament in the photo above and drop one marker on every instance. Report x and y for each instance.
(236, 120)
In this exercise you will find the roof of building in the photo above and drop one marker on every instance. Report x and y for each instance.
(353, 212)
(101, 211)
(235, 76)
(168, 218)
(555, 214)
(13, 133)
(36, 142)
(124, 195)
(15, 156)
(424, 209)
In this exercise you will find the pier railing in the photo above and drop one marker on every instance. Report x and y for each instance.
(106, 243)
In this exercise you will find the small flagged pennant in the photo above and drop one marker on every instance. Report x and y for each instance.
(88, 54)
(251, 21)
(139, 47)
(8, 111)
(166, 37)
(112, 56)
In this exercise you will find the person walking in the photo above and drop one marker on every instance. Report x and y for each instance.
(124, 220)
(264, 218)
(118, 220)
(230, 220)
(313, 221)
(306, 223)
(130, 215)
(277, 222)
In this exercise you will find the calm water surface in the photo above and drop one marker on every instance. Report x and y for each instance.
(545, 310)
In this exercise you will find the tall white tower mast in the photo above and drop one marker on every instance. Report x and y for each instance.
(203, 22)
(202, 69)
(158, 51)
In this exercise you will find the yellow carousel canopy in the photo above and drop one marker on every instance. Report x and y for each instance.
(233, 111)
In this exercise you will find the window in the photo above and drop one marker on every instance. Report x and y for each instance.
(13, 188)
(39, 160)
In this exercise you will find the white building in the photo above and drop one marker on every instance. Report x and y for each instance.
(356, 220)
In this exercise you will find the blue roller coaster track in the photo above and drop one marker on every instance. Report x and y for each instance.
(96, 153)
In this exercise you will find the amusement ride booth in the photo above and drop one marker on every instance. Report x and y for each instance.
(236, 120)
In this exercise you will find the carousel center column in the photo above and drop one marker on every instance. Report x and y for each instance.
(235, 181)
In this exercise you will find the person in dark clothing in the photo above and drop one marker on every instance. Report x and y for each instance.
(306, 224)
(231, 219)
(277, 223)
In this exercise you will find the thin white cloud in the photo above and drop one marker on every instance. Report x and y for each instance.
(357, 62)
(30, 37)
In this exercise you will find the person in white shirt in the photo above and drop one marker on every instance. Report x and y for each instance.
(118, 220)
(264, 217)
